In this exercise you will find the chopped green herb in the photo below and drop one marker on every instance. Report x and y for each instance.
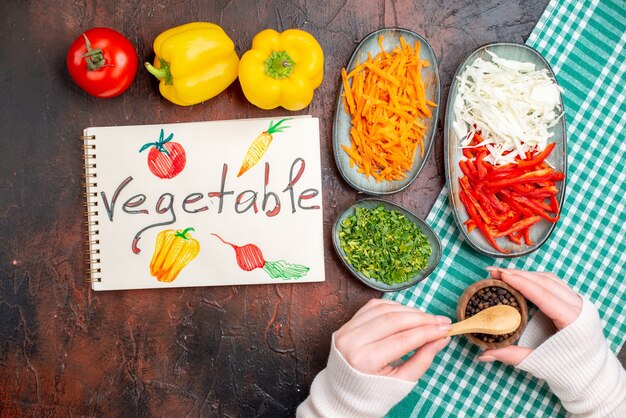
(384, 245)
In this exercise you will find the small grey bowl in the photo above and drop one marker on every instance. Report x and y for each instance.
(432, 238)
(343, 120)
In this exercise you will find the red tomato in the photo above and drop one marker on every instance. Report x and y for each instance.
(166, 159)
(102, 62)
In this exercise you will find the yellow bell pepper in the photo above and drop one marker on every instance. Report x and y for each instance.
(173, 251)
(194, 62)
(282, 69)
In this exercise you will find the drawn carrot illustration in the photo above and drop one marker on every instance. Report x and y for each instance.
(260, 145)
(250, 257)
(173, 251)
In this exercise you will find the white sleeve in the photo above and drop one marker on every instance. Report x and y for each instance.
(580, 368)
(341, 391)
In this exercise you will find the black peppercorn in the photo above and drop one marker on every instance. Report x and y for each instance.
(486, 298)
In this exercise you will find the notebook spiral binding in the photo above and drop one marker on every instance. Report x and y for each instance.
(91, 209)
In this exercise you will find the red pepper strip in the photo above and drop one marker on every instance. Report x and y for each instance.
(499, 206)
(465, 168)
(538, 175)
(507, 224)
(554, 205)
(538, 158)
(535, 208)
(468, 153)
(518, 226)
(497, 174)
(527, 237)
(470, 225)
(515, 239)
(470, 197)
(543, 192)
(481, 226)
(558, 176)
(522, 188)
(480, 164)
(506, 197)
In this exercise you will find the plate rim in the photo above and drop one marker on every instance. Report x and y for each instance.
(372, 282)
(459, 224)
(338, 109)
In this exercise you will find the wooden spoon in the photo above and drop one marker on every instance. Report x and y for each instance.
(497, 320)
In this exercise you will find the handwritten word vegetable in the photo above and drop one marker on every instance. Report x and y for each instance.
(283, 194)
(194, 62)
(250, 257)
(385, 96)
(172, 252)
(384, 245)
(260, 145)
(507, 200)
(166, 159)
(102, 62)
(510, 103)
(282, 69)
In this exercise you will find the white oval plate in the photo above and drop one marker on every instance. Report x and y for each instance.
(540, 232)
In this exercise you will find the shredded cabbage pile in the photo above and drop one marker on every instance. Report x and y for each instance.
(510, 103)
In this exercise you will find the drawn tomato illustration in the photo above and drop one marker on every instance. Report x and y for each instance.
(166, 159)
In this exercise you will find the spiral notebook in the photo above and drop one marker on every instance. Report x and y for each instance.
(204, 203)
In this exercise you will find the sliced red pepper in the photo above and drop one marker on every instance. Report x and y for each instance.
(480, 165)
(507, 224)
(535, 208)
(506, 197)
(479, 224)
(518, 226)
(538, 175)
(554, 205)
(538, 158)
(515, 239)
(472, 199)
(527, 237)
(468, 153)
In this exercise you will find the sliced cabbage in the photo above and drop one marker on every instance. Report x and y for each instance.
(510, 103)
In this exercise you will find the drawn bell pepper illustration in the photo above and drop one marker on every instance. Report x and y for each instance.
(172, 252)
(260, 145)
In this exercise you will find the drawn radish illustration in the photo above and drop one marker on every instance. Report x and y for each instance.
(166, 159)
(250, 257)
(260, 145)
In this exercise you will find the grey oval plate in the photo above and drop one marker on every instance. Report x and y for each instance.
(370, 203)
(343, 120)
(540, 232)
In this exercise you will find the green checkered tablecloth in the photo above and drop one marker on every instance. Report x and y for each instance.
(584, 43)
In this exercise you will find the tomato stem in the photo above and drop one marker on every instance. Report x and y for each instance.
(162, 73)
(94, 57)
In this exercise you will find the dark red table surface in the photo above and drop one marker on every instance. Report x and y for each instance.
(214, 351)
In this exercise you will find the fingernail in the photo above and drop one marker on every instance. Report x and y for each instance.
(445, 327)
(444, 320)
(443, 342)
(492, 268)
(486, 359)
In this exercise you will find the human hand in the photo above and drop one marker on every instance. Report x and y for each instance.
(550, 294)
(383, 331)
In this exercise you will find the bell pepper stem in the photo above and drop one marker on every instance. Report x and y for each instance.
(183, 234)
(162, 73)
(279, 65)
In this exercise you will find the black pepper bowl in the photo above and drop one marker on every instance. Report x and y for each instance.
(432, 238)
(490, 292)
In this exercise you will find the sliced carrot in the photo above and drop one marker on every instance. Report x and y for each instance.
(385, 96)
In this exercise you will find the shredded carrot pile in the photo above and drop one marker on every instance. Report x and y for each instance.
(386, 98)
